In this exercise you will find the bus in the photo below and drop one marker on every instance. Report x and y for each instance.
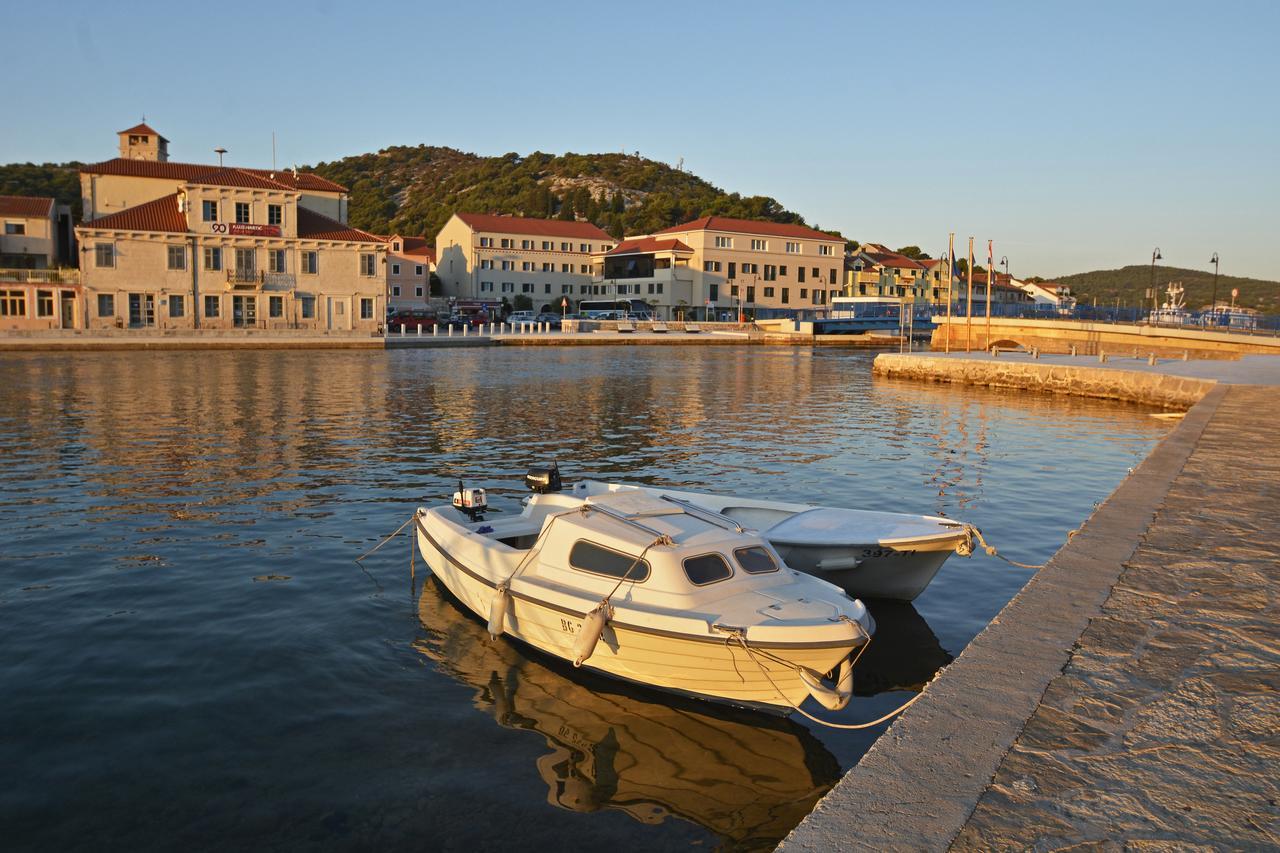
(587, 307)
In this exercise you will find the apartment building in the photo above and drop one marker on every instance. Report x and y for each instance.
(874, 270)
(31, 237)
(489, 257)
(221, 248)
(36, 291)
(715, 264)
(410, 262)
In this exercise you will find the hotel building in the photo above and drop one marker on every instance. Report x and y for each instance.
(488, 258)
(716, 263)
(184, 246)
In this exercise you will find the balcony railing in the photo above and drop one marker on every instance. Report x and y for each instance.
(242, 277)
(279, 280)
(22, 276)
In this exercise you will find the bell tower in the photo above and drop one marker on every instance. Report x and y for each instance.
(141, 142)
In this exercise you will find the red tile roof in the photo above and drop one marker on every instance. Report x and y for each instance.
(416, 247)
(23, 205)
(893, 259)
(186, 171)
(751, 226)
(314, 226)
(238, 178)
(536, 227)
(159, 215)
(649, 244)
(143, 128)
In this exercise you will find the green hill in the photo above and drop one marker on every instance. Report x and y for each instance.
(414, 190)
(51, 180)
(1130, 284)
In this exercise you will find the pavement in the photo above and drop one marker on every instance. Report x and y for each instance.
(1248, 370)
(1129, 696)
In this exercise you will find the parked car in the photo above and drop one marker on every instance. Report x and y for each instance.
(410, 320)
(520, 317)
(546, 317)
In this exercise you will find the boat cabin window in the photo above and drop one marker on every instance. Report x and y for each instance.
(598, 560)
(756, 560)
(706, 569)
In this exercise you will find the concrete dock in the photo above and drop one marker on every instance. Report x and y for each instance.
(1129, 695)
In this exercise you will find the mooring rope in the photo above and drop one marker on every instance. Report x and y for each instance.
(966, 548)
(388, 539)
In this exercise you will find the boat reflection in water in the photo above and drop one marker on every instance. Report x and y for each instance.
(747, 776)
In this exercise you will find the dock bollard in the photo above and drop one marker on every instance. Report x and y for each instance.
(1186, 354)
(1151, 358)
(465, 327)
(1035, 352)
(451, 330)
(402, 330)
(1073, 350)
(995, 352)
(1102, 357)
(1135, 352)
(435, 331)
(419, 330)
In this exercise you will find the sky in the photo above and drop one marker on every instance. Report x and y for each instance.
(1076, 135)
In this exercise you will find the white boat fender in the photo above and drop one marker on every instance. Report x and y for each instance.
(498, 611)
(838, 564)
(832, 700)
(592, 627)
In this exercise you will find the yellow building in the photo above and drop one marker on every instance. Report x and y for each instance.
(410, 262)
(874, 270)
(717, 264)
(178, 246)
(488, 258)
(34, 292)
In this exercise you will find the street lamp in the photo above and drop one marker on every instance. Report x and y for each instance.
(1155, 256)
(1213, 303)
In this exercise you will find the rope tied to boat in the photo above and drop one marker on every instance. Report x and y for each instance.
(972, 532)
(407, 522)
(739, 635)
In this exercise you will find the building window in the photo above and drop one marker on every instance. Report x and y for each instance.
(311, 262)
(583, 269)
(782, 271)
(417, 269)
(770, 272)
(547, 287)
(177, 258)
(659, 287)
(275, 214)
(15, 228)
(526, 287)
(486, 287)
(366, 308)
(276, 261)
(584, 247)
(566, 268)
(526, 267)
(368, 263)
(711, 266)
(210, 211)
(395, 290)
(177, 306)
(733, 290)
(793, 248)
(104, 255)
(395, 269)
(526, 244)
(211, 304)
(815, 273)
(751, 293)
(724, 242)
(713, 292)
(242, 212)
(275, 306)
(212, 258)
(786, 295)
(508, 265)
(417, 291)
(832, 280)
(800, 274)
(246, 262)
(546, 267)
(824, 249)
(505, 242)
(566, 247)
(759, 246)
(546, 245)
(768, 293)
(44, 303)
(804, 293)
(308, 307)
(508, 287)
(106, 304)
(486, 264)
(486, 242)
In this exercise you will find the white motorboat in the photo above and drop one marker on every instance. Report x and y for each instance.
(867, 553)
(650, 591)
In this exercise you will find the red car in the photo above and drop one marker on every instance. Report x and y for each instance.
(410, 320)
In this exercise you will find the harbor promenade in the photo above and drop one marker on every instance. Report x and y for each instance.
(1129, 696)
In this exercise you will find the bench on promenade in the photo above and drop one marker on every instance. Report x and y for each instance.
(626, 326)
(692, 328)
(660, 328)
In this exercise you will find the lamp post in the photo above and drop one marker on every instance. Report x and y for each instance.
(1155, 256)
(1213, 303)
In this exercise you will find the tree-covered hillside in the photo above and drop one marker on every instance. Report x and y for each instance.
(1129, 284)
(414, 190)
(51, 180)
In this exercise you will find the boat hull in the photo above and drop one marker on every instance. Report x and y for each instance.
(877, 571)
(710, 668)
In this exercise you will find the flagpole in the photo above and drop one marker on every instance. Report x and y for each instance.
(968, 310)
(951, 274)
(991, 291)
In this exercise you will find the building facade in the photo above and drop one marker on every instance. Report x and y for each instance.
(36, 290)
(717, 265)
(410, 262)
(179, 246)
(874, 270)
(490, 258)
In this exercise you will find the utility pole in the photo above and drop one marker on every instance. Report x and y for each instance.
(1213, 304)
(1155, 256)
(951, 274)
(991, 291)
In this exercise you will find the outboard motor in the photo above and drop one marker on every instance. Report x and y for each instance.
(471, 501)
(540, 481)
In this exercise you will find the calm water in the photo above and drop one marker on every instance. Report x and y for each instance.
(192, 659)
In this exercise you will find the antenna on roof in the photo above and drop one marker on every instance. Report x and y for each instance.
(219, 151)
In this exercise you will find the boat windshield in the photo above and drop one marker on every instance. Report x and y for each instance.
(755, 560)
(590, 557)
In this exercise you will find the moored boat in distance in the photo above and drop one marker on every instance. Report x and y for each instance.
(650, 591)
(867, 553)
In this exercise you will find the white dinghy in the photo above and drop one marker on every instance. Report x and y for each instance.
(870, 554)
(650, 591)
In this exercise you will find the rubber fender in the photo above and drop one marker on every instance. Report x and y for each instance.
(498, 611)
(592, 628)
(832, 700)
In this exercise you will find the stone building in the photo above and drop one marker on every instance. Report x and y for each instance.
(410, 262)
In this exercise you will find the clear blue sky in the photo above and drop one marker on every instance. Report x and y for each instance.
(1077, 137)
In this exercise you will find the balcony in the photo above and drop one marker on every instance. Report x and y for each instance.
(24, 276)
(242, 277)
